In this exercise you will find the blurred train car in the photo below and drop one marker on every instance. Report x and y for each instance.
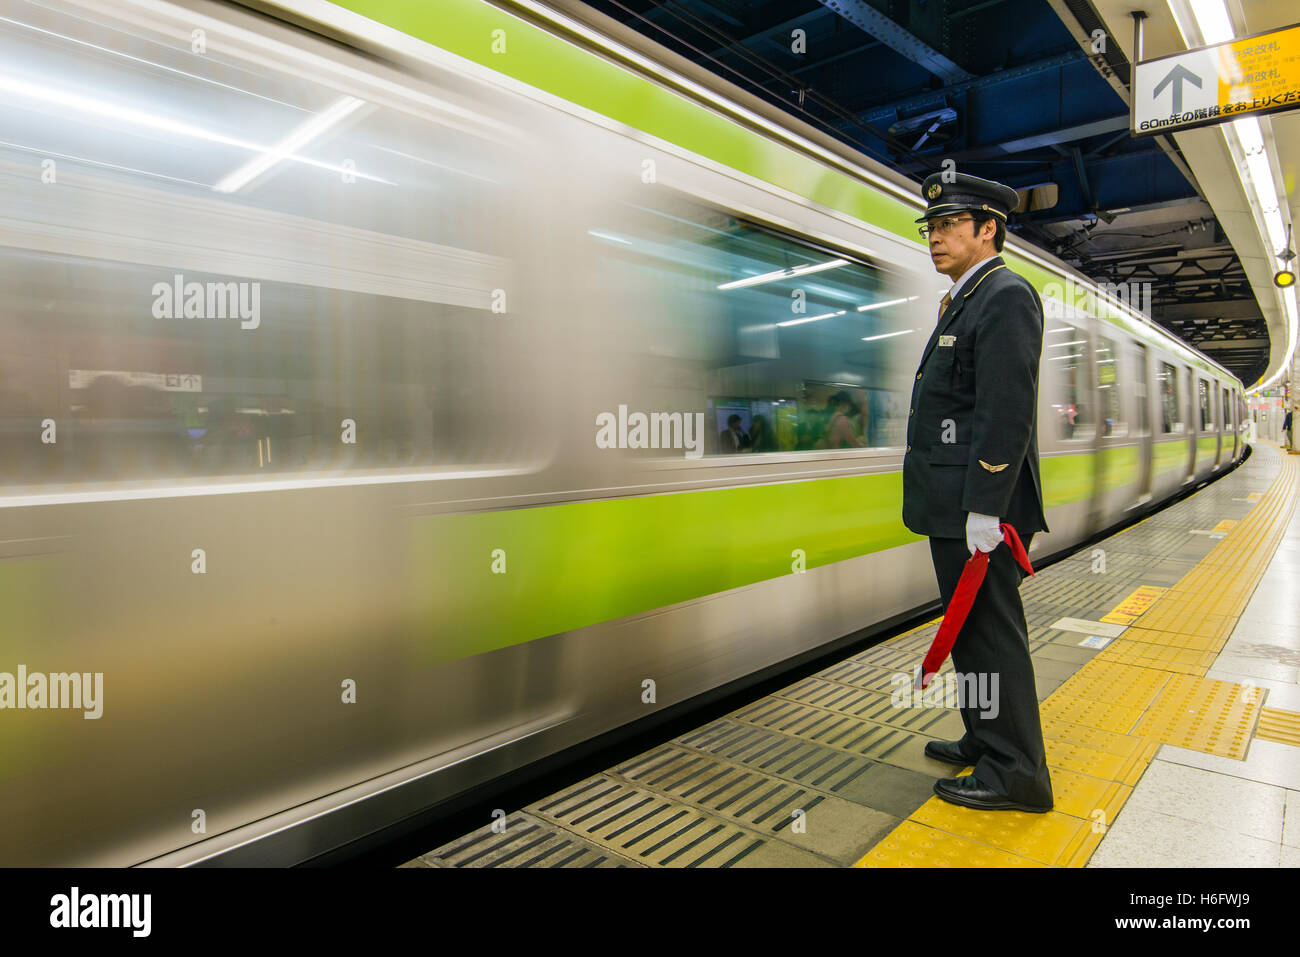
(324, 349)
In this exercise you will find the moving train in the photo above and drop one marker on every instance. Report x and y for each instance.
(388, 404)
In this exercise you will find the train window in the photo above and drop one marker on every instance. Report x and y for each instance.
(1203, 394)
(203, 301)
(1140, 389)
(1068, 346)
(1225, 410)
(1171, 404)
(1112, 416)
(785, 346)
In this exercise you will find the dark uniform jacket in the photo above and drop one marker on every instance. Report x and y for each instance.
(978, 382)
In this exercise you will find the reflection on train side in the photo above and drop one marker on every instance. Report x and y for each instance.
(794, 346)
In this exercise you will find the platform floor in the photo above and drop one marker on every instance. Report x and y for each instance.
(1168, 670)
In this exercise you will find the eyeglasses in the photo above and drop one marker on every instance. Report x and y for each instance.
(944, 225)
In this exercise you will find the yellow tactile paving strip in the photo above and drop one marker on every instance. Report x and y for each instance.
(1278, 725)
(1103, 726)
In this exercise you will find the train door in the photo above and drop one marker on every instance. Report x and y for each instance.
(1142, 422)
(1216, 443)
(1229, 427)
(1192, 420)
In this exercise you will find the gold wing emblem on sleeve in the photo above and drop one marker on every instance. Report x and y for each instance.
(993, 468)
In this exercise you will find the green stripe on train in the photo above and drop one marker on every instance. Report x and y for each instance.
(577, 564)
(1206, 447)
(546, 62)
(1169, 456)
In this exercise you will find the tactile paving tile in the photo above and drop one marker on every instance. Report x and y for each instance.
(864, 675)
(1217, 717)
(775, 755)
(888, 656)
(1174, 639)
(1115, 682)
(1095, 714)
(1121, 768)
(1086, 797)
(1079, 735)
(1188, 613)
(874, 706)
(525, 842)
(646, 828)
(1052, 838)
(1278, 725)
(915, 845)
(882, 742)
(1161, 657)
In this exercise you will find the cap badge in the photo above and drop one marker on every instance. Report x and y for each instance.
(933, 191)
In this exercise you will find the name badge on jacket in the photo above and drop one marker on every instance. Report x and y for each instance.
(947, 340)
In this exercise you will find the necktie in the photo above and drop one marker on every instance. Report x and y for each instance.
(943, 306)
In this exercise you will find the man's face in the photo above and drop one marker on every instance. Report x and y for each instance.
(955, 243)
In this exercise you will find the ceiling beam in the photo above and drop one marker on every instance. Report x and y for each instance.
(1233, 309)
(892, 111)
(1025, 144)
(874, 23)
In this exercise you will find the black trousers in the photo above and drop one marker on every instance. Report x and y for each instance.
(995, 641)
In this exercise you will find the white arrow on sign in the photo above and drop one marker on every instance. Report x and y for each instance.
(1177, 77)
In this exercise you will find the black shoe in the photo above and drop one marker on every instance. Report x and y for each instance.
(949, 752)
(971, 792)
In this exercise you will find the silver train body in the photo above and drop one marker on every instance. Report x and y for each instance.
(466, 272)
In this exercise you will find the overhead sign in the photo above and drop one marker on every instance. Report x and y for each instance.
(1259, 74)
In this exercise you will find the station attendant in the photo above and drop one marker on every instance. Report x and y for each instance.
(971, 464)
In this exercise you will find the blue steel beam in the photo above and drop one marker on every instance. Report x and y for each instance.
(874, 23)
(891, 111)
(1026, 144)
(1145, 179)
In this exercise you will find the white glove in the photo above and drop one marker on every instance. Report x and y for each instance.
(983, 532)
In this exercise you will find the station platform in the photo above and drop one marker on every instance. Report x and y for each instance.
(1168, 670)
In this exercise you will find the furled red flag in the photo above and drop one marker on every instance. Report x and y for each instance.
(954, 616)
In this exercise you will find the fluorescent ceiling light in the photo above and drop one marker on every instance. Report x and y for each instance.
(825, 315)
(610, 236)
(105, 109)
(1215, 26)
(787, 273)
(886, 335)
(1212, 20)
(311, 129)
(881, 305)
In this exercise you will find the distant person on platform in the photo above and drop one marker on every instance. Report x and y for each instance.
(972, 463)
(1286, 427)
(840, 432)
(761, 438)
(733, 437)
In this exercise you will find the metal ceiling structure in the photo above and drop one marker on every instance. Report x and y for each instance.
(1029, 92)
